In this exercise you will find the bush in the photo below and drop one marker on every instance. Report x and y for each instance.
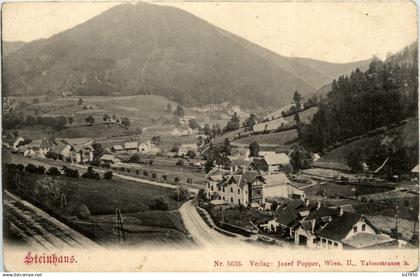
(20, 167)
(108, 175)
(31, 168)
(53, 171)
(83, 212)
(51, 155)
(180, 162)
(145, 173)
(41, 169)
(176, 179)
(91, 174)
(165, 177)
(150, 162)
(137, 171)
(72, 173)
(154, 175)
(159, 203)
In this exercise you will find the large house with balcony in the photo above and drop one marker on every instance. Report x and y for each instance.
(248, 187)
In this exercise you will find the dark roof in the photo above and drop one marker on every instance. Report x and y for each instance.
(59, 148)
(338, 228)
(288, 217)
(321, 212)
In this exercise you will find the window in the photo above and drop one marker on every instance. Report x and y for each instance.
(211, 187)
(223, 198)
(231, 190)
(223, 189)
(335, 244)
(355, 229)
(329, 242)
(364, 227)
(231, 199)
(208, 185)
(239, 191)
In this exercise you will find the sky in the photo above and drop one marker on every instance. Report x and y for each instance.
(330, 31)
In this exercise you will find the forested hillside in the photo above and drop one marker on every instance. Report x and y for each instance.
(386, 93)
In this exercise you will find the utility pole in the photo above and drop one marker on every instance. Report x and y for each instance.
(119, 221)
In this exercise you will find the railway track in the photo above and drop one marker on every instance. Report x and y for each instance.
(39, 229)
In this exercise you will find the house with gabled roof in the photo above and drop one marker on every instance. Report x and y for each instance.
(109, 159)
(38, 148)
(131, 146)
(350, 230)
(273, 162)
(117, 148)
(279, 185)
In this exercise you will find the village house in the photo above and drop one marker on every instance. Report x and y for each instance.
(284, 223)
(131, 146)
(117, 148)
(350, 230)
(38, 148)
(64, 151)
(82, 151)
(109, 159)
(149, 148)
(12, 141)
(273, 162)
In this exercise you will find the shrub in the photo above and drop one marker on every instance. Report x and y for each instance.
(145, 173)
(108, 175)
(137, 171)
(164, 177)
(20, 167)
(128, 170)
(72, 173)
(53, 171)
(180, 162)
(159, 203)
(83, 212)
(41, 169)
(91, 174)
(31, 168)
(150, 162)
(51, 155)
(176, 179)
(154, 175)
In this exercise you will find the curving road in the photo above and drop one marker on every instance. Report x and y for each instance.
(201, 233)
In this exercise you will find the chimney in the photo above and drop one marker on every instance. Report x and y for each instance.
(318, 205)
(340, 211)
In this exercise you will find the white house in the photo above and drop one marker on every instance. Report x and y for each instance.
(117, 148)
(179, 132)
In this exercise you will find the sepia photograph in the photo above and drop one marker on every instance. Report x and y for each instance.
(210, 136)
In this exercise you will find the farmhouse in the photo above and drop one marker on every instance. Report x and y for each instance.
(131, 146)
(109, 159)
(117, 148)
(64, 151)
(273, 162)
(350, 230)
(284, 223)
(12, 141)
(38, 148)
